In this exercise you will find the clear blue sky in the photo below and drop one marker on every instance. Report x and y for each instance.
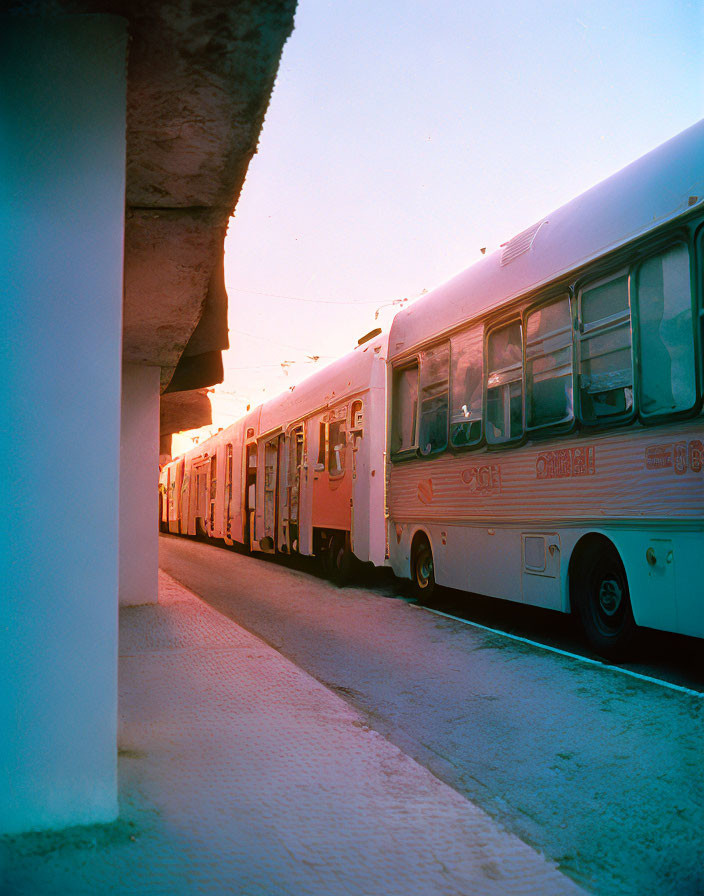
(403, 136)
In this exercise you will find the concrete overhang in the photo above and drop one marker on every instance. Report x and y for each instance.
(200, 75)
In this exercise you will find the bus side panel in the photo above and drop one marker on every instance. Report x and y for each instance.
(689, 576)
(644, 481)
(622, 475)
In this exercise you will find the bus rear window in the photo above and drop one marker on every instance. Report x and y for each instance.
(405, 409)
(434, 399)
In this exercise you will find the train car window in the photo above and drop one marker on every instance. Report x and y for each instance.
(228, 475)
(667, 353)
(405, 409)
(357, 417)
(321, 445)
(549, 390)
(466, 364)
(434, 399)
(213, 476)
(504, 384)
(337, 442)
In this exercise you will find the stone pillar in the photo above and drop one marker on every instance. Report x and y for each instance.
(62, 199)
(139, 482)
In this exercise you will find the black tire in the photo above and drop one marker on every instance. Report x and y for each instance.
(324, 558)
(422, 571)
(341, 561)
(604, 603)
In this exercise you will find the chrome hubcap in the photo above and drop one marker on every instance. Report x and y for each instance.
(610, 596)
(425, 570)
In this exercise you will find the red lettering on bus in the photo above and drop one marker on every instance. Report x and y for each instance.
(482, 480)
(564, 463)
(682, 456)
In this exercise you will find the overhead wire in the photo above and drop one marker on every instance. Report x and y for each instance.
(276, 295)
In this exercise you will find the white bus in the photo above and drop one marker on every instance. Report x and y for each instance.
(545, 429)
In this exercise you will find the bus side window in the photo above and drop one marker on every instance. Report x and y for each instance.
(605, 356)
(405, 409)
(549, 365)
(667, 361)
(466, 362)
(434, 399)
(504, 384)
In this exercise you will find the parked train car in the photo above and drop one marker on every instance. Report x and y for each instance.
(545, 415)
(300, 474)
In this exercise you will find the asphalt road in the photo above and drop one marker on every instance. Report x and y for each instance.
(601, 772)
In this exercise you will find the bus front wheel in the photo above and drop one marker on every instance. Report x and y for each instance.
(603, 601)
(422, 571)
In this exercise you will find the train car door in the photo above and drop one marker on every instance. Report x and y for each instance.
(177, 486)
(267, 541)
(227, 521)
(168, 497)
(333, 473)
(250, 496)
(212, 485)
(281, 497)
(293, 488)
(200, 508)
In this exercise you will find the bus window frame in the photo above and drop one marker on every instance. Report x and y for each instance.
(564, 427)
(652, 250)
(439, 344)
(591, 278)
(481, 441)
(490, 326)
(396, 370)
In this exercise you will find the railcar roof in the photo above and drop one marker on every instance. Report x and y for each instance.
(343, 377)
(346, 376)
(655, 189)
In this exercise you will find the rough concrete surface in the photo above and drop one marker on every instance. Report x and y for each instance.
(599, 771)
(199, 80)
(239, 773)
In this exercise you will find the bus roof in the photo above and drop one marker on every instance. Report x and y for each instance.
(656, 188)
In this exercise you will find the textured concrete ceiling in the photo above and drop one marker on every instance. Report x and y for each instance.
(200, 76)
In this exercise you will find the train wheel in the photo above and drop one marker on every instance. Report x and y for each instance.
(422, 571)
(604, 603)
(341, 561)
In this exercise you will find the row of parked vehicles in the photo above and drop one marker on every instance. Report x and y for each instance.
(532, 430)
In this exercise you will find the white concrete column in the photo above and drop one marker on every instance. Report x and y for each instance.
(62, 195)
(139, 482)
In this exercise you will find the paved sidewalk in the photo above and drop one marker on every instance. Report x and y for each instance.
(241, 774)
